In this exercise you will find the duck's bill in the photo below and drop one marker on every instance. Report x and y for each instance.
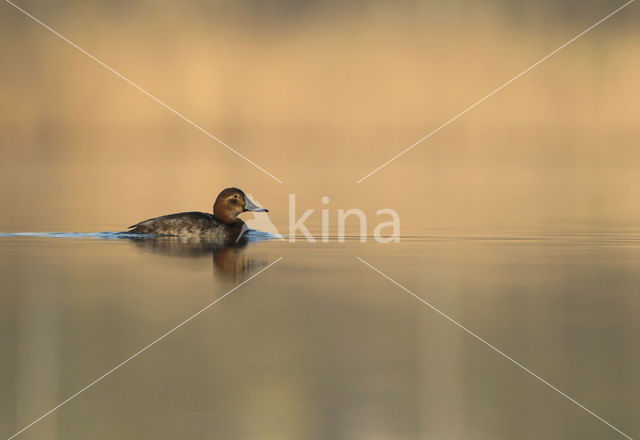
(250, 206)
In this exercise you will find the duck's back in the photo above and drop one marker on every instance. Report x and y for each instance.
(183, 224)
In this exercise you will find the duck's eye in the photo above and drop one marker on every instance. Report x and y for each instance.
(235, 196)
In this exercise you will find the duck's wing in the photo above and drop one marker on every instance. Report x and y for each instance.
(173, 224)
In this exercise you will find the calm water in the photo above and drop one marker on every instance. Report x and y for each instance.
(320, 346)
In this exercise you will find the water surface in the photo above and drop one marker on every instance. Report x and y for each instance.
(319, 345)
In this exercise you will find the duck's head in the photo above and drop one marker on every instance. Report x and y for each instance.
(231, 202)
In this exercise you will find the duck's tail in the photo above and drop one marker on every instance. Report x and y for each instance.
(138, 229)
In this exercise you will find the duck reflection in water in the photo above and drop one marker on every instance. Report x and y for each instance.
(229, 260)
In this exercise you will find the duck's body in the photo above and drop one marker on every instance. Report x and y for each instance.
(223, 226)
(189, 224)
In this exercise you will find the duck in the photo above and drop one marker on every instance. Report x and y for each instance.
(223, 226)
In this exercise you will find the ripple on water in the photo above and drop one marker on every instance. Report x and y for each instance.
(251, 235)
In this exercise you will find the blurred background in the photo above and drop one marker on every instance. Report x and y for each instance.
(320, 94)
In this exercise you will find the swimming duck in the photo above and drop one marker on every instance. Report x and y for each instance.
(223, 226)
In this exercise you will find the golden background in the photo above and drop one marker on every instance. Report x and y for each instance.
(320, 94)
